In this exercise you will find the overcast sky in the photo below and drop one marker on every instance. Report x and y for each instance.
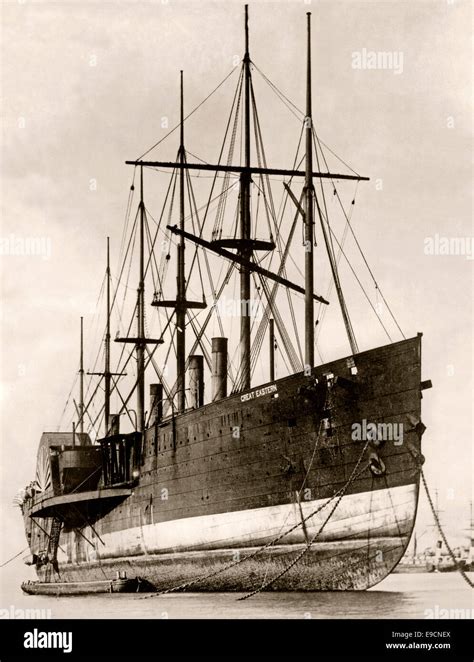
(87, 85)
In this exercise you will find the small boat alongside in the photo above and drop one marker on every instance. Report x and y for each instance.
(118, 585)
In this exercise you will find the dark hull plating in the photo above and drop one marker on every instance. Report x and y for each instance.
(218, 482)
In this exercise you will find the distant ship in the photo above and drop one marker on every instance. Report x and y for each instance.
(437, 558)
(264, 487)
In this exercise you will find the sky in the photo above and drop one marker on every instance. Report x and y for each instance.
(87, 85)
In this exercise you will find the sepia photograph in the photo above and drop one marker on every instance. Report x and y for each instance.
(236, 258)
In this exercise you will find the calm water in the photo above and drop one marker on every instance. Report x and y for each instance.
(420, 595)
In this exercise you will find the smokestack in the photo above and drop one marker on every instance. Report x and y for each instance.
(156, 403)
(196, 380)
(219, 368)
(115, 424)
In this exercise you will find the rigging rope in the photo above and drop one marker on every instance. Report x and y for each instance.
(187, 116)
(127, 215)
(76, 376)
(315, 137)
(219, 220)
(271, 299)
(284, 99)
(301, 115)
(271, 217)
(323, 309)
(14, 557)
(332, 260)
(360, 285)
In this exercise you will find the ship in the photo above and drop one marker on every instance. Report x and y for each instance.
(290, 483)
(436, 557)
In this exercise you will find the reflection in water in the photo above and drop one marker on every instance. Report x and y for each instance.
(398, 596)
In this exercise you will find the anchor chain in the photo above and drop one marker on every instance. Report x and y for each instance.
(351, 479)
(438, 524)
(201, 578)
(419, 461)
(337, 495)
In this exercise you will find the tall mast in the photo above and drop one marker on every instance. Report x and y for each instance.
(272, 348)
(245, 230)
(308, 219)
(181, 304)
(81, 381)
(141, 319)
(181, 283)
(107, 374)
(140, 341)
(107, 348)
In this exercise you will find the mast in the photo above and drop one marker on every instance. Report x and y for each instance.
(107, 348)
(308, 218)
(140, 341)
(181, 303)
(245, 230)
(181, 283)
(141, 319)
(107, 374)
(81, 381)
(243, 243)
(272, 348)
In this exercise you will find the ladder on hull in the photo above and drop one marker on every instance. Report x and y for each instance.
(52, 550)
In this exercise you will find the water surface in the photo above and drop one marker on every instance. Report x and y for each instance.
(420, 595)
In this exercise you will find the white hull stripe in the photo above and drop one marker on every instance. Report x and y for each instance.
(381, 513)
